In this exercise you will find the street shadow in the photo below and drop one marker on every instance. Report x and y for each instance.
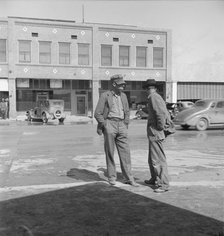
(98, 209)
(83, 174)
(88, 176)
(120, 177)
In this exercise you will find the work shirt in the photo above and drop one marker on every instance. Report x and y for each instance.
(117, 110)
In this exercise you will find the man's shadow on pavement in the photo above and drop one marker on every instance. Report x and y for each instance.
(88, 176)
(83, 174)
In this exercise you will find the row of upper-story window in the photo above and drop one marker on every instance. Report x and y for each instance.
(45, 54)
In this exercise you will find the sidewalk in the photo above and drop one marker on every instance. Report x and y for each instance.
(68, 119)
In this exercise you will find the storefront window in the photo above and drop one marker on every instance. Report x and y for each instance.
(44, 84)
(25, 99)
(66, 84)
(80, 84)
(105, 84)
(64, 95)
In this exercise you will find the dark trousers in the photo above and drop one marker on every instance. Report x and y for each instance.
(157, 162)
(115, 134)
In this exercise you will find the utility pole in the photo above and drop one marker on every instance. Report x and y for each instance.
(83, 16)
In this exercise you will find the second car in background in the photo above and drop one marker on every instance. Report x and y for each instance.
(173, 109)
(205, 113)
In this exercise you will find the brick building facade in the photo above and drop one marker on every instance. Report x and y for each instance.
(43, 58)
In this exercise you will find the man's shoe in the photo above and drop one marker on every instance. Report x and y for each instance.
(150, 182)
(160, 190)
(132, 183)
(112, 182)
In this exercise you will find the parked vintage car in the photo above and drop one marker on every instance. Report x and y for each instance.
(142, 111)
(173, 109)
(47, 110)
(183, 105)
(205, 113)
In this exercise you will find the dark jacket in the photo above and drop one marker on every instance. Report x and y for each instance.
(157, 116)
(103, 108)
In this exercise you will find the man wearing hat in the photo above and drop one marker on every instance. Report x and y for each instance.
(112, 114)
(155, 131)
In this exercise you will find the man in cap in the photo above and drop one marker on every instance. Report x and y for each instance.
(112, 114)
(157, 115)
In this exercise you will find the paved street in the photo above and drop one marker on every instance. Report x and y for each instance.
(53, 182)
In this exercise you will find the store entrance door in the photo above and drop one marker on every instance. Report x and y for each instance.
(81, 104)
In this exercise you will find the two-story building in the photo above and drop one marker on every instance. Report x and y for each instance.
(55, 59)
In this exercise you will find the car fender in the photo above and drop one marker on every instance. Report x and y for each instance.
(30, 113)
(63, 116)
(192, 121)
(47, 114)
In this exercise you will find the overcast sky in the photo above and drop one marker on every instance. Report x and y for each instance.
(197, 26)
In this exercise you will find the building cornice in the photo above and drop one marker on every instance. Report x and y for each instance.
(3, 22)
(44, 24)
(133, 30)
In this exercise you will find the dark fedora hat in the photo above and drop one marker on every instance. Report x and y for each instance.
(149, 82)
(118, 79)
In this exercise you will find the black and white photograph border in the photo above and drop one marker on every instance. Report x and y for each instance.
(53, 175)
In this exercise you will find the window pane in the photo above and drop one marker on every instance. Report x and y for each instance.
(44, 84)
(24, 51)
(64, 53)
(45, 52)
(64, 95)
(124, 56)
(36, 84)
(157, 57)
(66, 84)
(74, 84)
(106, 55)
(2, 50)
(220, 104)
(83, 54)
(141, 56)
(104, 84)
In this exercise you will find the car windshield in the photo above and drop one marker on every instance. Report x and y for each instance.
(57, 103)
(42, 103)
(202, 103)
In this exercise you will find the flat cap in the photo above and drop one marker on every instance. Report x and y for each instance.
(118, 79)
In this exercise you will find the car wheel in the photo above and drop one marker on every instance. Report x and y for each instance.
(185, 127)
(61, 120)
(202, 124)
(44, 118)
(28, 117)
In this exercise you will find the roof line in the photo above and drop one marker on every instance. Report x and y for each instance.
(40, 19)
